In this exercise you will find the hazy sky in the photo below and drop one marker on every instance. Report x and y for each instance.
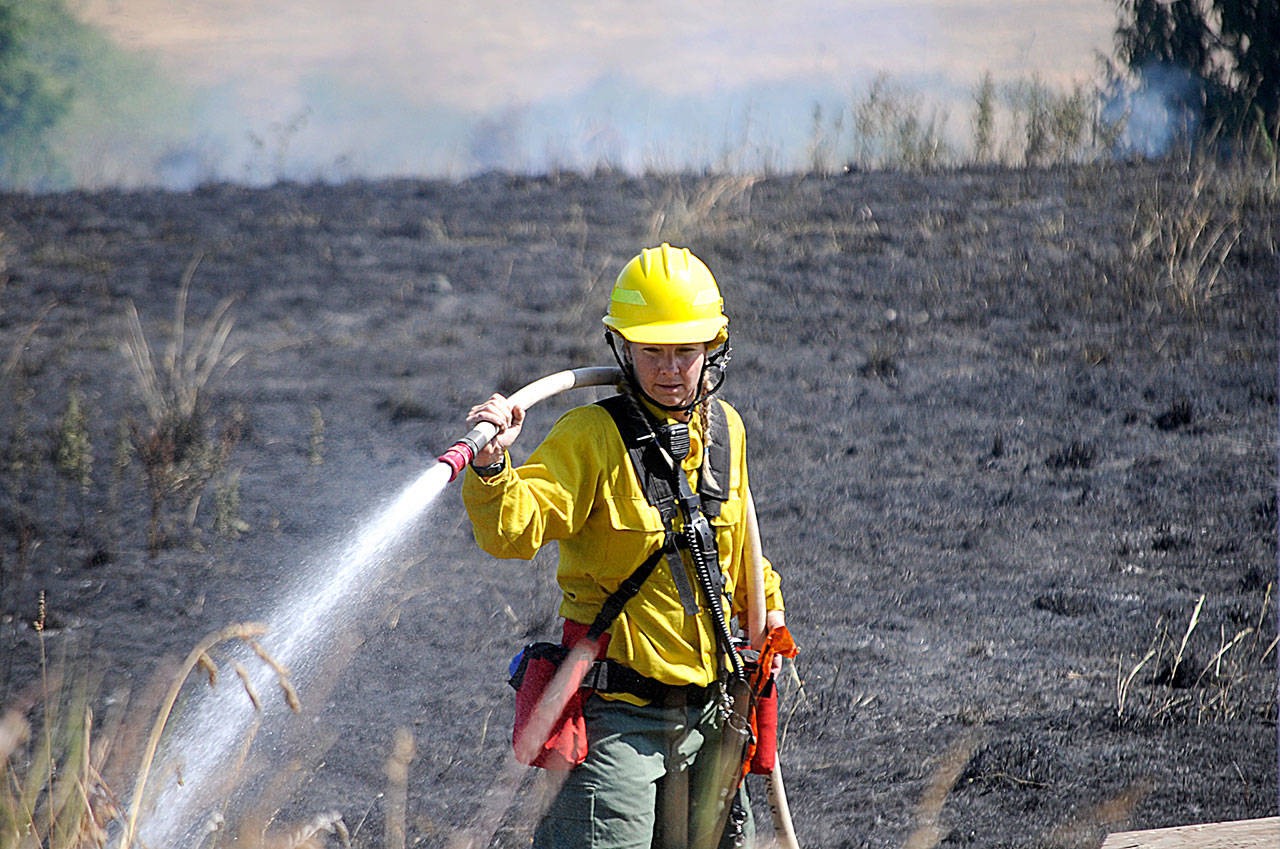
(559, 62)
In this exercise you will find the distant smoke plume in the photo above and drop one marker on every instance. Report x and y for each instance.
(1159, 109)
(326, 129)
(253, 93)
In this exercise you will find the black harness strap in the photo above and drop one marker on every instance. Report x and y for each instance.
(656, 479)
(637, 436)
(713, 480)
(647, 460)
(624, 593)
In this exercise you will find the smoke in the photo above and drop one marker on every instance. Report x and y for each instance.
(254, 93)
(329, 129)
(1159, 109)
(325, 129)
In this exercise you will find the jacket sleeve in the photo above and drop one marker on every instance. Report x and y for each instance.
(548, 498)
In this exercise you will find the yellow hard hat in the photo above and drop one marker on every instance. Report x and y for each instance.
(667, 296)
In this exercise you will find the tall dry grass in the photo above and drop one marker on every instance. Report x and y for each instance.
(687, 210)
(54, 755)
(1192, 674)
(1179, 240)
(178, 452)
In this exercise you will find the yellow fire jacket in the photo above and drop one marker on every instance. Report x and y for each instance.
(580, 489)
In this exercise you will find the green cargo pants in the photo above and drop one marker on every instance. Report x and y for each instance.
(644, 777)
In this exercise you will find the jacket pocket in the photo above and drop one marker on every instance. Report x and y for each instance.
(730, 514)
(628, 532)
(633, 514)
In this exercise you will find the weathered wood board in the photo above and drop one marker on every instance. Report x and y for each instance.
(1242, 834)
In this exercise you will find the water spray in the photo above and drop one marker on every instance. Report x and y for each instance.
(305, 621)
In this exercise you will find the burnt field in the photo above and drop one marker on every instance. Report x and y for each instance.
(1013, 444)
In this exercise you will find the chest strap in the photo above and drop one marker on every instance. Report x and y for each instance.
(637, 436)
(624, 593)
(654, 471)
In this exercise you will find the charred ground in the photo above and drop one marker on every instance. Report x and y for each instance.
(1001, 441)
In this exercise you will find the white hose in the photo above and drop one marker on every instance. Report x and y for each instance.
(464, 450)
(756, 613)
(553, 384)
(783, 828)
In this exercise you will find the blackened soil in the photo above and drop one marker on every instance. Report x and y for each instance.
(999, 458)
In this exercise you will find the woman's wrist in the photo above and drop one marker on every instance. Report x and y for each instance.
(490, 469)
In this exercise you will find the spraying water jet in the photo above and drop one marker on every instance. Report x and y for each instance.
(298, 632)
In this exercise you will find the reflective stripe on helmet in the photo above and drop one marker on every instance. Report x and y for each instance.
(667, 295)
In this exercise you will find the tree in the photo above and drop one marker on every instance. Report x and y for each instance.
(32, 98)
(1228, 52)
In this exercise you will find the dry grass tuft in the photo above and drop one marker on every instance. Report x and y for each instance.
(1179, 240)
(173, 387)
(179, 456)
(1177, 686)
(892, 130)
(246, 632)
(53, 796)
(52, 793)
(309, 835)
(282, 675)
(685, 213)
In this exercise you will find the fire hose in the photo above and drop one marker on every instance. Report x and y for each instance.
(464, 450)
(576, 665)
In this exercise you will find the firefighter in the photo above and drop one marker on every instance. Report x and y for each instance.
(653, 718)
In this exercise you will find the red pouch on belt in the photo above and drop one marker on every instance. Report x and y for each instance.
(764, 718)
(563, 743)
(766, 730)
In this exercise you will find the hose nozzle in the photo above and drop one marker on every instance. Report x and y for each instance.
(462, 452)
(456, 458)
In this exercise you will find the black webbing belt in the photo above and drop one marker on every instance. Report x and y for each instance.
(609, 676)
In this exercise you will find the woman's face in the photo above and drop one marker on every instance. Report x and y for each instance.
(669, 373)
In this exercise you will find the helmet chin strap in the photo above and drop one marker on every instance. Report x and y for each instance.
(713, 364)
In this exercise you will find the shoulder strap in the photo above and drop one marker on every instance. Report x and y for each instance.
(646, 459)
(637, 436)
(713, 480)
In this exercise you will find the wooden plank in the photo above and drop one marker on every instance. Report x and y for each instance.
(1242, 834)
